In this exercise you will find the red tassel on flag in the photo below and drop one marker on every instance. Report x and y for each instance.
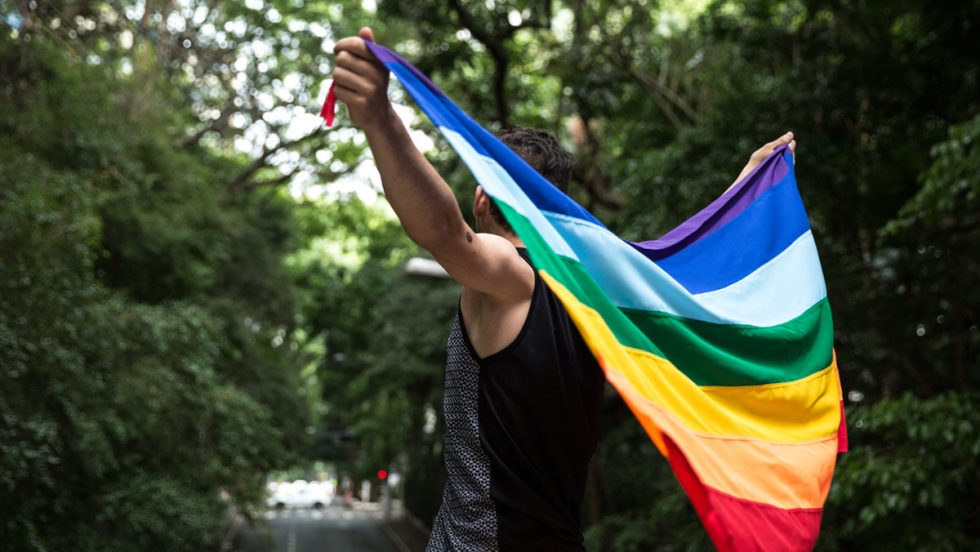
(329, 106)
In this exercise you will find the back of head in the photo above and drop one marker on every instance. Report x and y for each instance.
(541, 150)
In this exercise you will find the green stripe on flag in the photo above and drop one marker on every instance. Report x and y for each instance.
(708, 353)
(721, 354)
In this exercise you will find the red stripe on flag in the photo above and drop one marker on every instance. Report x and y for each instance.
(737, 525)
(842, 431)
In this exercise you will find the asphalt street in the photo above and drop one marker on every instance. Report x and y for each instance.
(332, 529)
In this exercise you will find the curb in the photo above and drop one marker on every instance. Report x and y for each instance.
(423, 528)
(393, 537)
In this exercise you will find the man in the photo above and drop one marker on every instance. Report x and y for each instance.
(523, 392)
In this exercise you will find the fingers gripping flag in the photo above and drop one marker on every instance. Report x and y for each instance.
(718, 335)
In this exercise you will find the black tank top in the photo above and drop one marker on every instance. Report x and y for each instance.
(521, 426)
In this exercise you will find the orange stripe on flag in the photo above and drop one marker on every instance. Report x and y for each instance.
(736, 524)
(785, 475)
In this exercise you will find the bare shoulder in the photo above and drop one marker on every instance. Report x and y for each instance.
(494, 315)
(499, 244)
(488, 264)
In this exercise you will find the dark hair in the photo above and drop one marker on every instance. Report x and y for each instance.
(541, 150)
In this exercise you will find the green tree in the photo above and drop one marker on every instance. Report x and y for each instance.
(146, 314)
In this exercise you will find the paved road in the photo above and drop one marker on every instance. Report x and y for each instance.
(332, 529)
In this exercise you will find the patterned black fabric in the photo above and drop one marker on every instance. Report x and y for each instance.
(467, 519)
(521, 427)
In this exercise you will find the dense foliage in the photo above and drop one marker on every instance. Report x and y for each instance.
(176, 323)
(140, 303)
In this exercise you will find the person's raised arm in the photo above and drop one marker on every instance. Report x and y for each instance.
(760, 154)
(421, 199)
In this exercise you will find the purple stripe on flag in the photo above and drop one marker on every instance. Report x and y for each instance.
(720, 211)
(386, 56)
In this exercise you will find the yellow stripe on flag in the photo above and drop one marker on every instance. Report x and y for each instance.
(782, 475)
(795, 412)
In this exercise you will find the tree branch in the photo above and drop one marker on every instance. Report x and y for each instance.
(597, 188)
(253, 184)
(661, 93)
(219, 124)
(242, 180)
(497, 52)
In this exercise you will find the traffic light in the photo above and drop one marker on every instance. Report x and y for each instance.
(382, 474)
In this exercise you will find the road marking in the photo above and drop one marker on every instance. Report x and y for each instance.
(291, 541)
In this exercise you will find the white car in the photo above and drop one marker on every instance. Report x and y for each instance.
(299, 494)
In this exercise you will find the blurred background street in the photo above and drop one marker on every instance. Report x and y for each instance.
(361, 528)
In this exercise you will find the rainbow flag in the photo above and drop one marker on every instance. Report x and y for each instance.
(718, 335)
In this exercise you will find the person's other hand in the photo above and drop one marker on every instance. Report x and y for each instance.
(361, 81)
(758, 155)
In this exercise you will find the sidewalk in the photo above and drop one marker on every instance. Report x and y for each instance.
(408, 534)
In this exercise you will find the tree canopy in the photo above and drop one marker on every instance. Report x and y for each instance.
(200, 284)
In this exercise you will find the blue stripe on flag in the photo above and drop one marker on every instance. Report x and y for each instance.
(767, 227)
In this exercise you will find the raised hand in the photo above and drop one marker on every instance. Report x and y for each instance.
(758, 155)
(361, 81)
